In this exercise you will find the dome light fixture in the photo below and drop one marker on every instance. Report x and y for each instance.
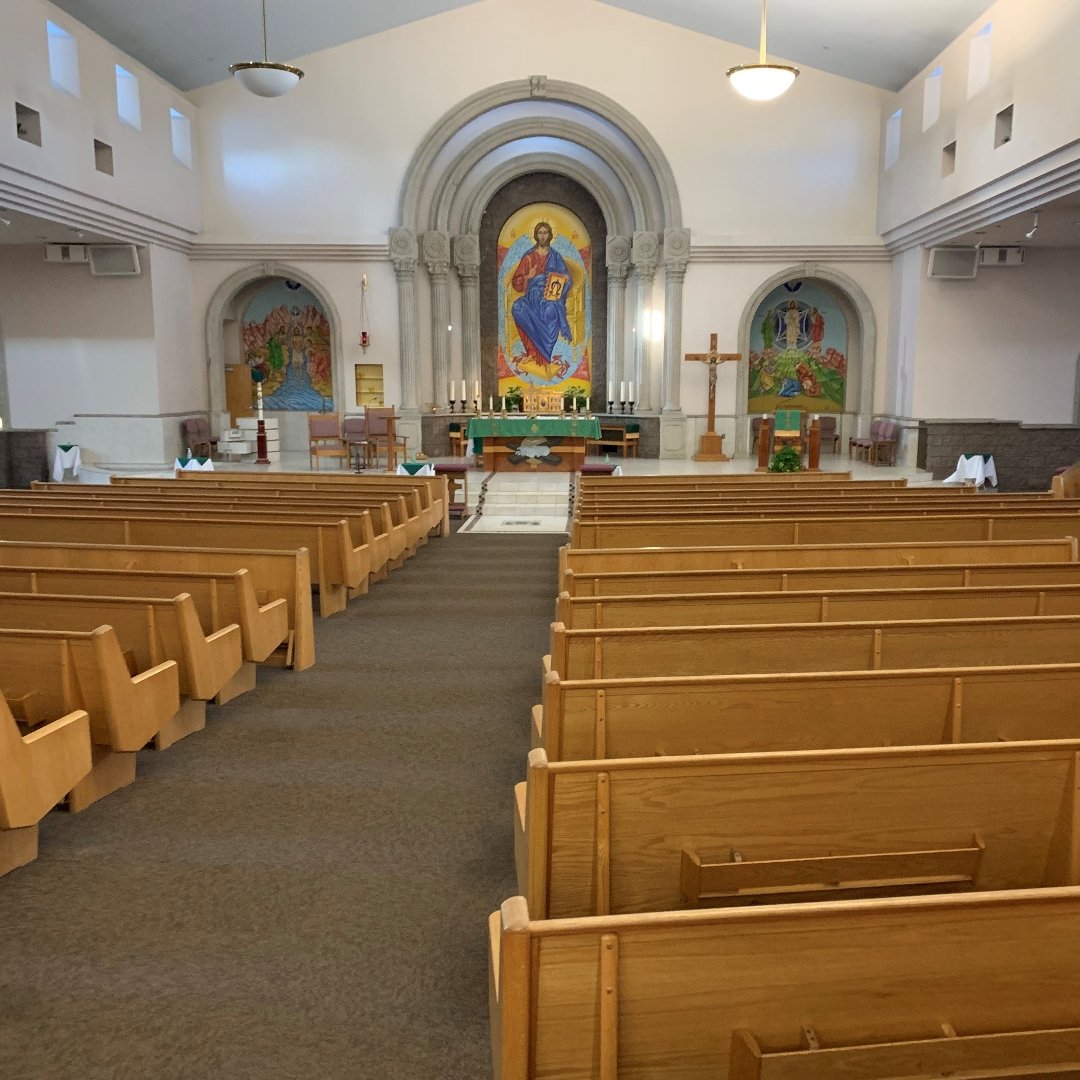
(264, 77)
(762, 81)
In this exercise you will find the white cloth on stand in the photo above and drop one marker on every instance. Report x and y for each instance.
(68, 458)
(426, 470)
(976, 467)
(193, 465)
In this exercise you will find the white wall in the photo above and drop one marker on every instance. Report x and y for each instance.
(182, 386)
(326, 163)
(150, 190)
(1004, 345)
(74, 343)
(1034, 48)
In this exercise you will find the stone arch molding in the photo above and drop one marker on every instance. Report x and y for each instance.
(508, 131)
(224, 295)
(862, 337)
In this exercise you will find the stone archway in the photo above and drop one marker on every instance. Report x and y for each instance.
(862, 343)
(494, 138)
(216, 311)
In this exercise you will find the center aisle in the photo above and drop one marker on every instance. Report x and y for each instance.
(302, 889)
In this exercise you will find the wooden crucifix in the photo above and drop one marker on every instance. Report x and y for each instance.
(712, 445)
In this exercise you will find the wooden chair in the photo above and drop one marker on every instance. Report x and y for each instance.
(459, 439)
(197, 436)
(883, 446)
(325, 440)
(829, 432)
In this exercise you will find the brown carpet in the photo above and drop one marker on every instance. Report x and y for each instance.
(301, 890)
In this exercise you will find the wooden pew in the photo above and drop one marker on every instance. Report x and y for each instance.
(36, 772)
(336, 564)
(433, 489)
(698, 481)
(982, 984)
(940, 528)
(720, 714)
(830, 605)
(820, 579)
(393, 533)
(219, 599)
(153, 630)
(52, 673)
(662, 834)
(275, 575)
(855, 646)
(771, 556)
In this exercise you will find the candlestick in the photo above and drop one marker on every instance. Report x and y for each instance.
(622, 407)
(451, 401)
(631, 408)
(610, 405)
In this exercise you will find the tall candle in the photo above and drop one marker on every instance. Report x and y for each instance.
(587, 408)
(462, 389)
(476, 390)
(491, 403)
(610, 390)
(504, 403)
(622, 391)
(631, 397)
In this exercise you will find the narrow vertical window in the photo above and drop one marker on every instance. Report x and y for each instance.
(127, 98)
(1003, 127)
(979, 53)
(892, 138)
(931, 102)
(181, 137)
(103, 157)
(63, 58)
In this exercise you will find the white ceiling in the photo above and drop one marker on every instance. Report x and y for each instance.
(192, 42)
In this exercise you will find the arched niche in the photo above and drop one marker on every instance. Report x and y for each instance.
(857, 310)
(225, 306)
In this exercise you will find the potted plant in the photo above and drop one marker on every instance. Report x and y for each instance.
(786, 459)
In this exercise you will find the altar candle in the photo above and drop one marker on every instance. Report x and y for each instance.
(450, 396)
(631, 397)
(622, 391)
(462, 389)
(587, 408)
(504, 403)
(476, 390)
(610, 390)
(491, 403)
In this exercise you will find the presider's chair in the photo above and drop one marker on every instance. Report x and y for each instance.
(325, 439)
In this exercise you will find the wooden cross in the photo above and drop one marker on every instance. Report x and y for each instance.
(712, 445)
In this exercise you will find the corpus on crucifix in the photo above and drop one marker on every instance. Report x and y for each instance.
(712, 445)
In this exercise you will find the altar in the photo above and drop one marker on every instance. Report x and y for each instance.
(521, 443)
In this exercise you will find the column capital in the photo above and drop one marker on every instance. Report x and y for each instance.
(676, 250)
(403, 251)
(435, 247)
(467, 257)
(618, 256)
(645, 253)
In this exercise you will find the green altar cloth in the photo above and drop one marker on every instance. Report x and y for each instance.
(581, 427)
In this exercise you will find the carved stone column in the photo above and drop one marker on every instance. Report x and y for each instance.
(404, 254)
(618, 267)
(436, 252)
(676, 259)
(467, 264)
(646, 250)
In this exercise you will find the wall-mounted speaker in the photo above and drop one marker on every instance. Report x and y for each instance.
(953, 263)
(114, 260)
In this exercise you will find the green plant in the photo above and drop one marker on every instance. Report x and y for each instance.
(786, 459)
(514, 398)
(569, 399)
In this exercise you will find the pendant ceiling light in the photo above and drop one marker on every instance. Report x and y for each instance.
(762, 81)
(264, 77)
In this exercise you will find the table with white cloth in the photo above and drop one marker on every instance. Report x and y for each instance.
(416, 468)
(67, 456)
(193, 464)
(974, 469)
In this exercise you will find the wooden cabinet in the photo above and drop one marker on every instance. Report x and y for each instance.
(369, 385)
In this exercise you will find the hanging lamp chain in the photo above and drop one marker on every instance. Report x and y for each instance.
(761, 52)
(266, 54)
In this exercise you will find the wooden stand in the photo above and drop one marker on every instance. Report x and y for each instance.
(813, 463)
(764, 443)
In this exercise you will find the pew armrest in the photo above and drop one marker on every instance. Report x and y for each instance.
(1007, 1053)
(702, 881)
(57, 757)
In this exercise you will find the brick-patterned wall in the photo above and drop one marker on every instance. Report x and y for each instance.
(1025, 456)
